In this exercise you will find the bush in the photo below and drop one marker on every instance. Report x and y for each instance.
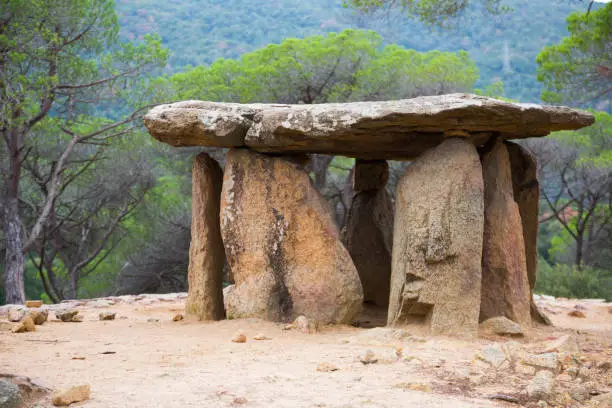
(567, 281)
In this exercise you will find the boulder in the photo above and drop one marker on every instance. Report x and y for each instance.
(16, 314)
(526, 189)
(66, 315)
(282, 244)
(71, 395)
(206, 252)
(437, 240)
(26, 325)
(368, 234)
(39, 316)
(401, 129)
(505, 286)
(10, 397)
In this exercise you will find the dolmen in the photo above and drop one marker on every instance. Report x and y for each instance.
(457, 247)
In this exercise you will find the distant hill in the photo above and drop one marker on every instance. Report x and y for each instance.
(200, 31)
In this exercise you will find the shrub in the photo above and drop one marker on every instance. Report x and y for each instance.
(568, 281)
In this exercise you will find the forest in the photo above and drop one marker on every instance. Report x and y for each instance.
(91, 205)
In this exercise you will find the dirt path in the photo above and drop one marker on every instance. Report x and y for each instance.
(191, 364)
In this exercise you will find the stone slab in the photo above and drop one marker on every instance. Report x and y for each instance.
(401, 129)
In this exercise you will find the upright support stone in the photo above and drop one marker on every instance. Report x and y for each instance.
(505, 285)
(526, 190)
(206, 253)
(368, 234)
(282, 244)
(437, 240)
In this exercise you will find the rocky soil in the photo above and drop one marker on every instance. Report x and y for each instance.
(149, 356)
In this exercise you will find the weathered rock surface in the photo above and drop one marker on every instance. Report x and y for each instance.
(71, 395)
(282, 244)
(374, 130)
(107, 315)
(66, 315)
(540, 388)
(206, 252)
(39, 316)
(26, 325)
(16, 314)
(9, 395)
(502, 325)
(437, 240)
(368, 234)
(526, 190)
(505, 286)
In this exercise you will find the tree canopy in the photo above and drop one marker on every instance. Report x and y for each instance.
(63, 70)
(338, 67)
(578, 70)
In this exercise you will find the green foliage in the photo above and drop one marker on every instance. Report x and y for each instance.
(346, 66)
(504, 46)
(566, 281)
(578, 70)
(432, 12)
(594, 143)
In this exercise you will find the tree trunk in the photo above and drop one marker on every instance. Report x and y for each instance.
(579, 254)
(73, 283)
(14, 291)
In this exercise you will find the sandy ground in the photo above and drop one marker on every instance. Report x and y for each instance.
(162, 363)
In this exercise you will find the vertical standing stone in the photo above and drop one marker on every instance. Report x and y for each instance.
(282, 244)
(526, 190)
(437, 240)
(206, 252)
(368, 234)
(505, 286)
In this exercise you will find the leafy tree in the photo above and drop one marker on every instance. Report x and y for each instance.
(578, 70)
(60, 64)
(432, 12)
(576, 170)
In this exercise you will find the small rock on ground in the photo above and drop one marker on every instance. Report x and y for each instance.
(260, 336)
(541, 386)
(239, 338)
(107, 315)
(368, 357)
(564, 344)
(547, 361)
(9, 395)
(39, 316)
(66, 315)
(303, 324)
(326, 367)
(576, 313)
(78, 318)
(502, 325)
(16, 314)
(493, 355)
(178, 317)
(71, 395)
(26, 325)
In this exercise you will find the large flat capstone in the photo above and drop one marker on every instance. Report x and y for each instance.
(401, 129)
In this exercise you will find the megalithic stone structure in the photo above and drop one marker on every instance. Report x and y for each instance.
(526, 190)
(368, 234)
(437, 244)
(464, 231)
(206, 253)
(505, 285)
